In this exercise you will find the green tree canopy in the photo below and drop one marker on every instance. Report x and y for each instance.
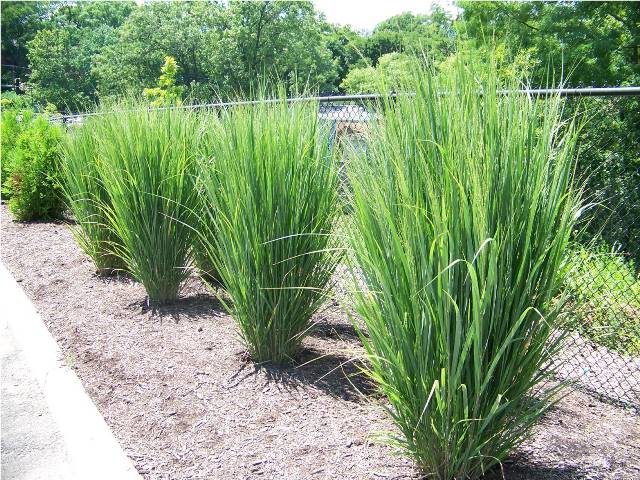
(222, 51)
(277, 39)
(596, 43)
(61, 54)
(392, 47)
(433, 34)
(392, 72)
(188, 31)
(348, 49)
(20, 23)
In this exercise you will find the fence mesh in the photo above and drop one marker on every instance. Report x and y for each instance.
(602, 352)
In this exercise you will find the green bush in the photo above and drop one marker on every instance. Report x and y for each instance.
(87, 198)
(272, 199)
(605, 287)
(10, 132)
(145, 164)
(13, 122)
(13, 101)
(463, 209)
(33, 170)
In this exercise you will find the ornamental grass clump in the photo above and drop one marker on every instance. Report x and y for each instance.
(87, 199)
(272, 195)
(203, 250)
(146, 163)
(463, 207)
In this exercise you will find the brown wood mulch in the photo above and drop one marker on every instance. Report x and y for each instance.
(176, 389)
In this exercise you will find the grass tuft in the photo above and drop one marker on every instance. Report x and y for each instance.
(463, 207)
(146, 163)
(271, 191)
(87, 198)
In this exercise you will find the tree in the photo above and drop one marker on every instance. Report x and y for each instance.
(275, 39)
(383, 42)
(222, 51)
(595, 43)
(361, 80)
(20, 23)
(61, 55)
(392, 72)
(347, 49)
(166, 93)
(433, 34)
(190, 32)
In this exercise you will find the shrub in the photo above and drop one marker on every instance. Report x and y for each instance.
(32, 177)
(13, 101)
(11, 128)
(463, 208)
(166, 93)
(146, 165)
(87, 198)
(272, 196)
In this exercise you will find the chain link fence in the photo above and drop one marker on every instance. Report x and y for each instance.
(602, 353)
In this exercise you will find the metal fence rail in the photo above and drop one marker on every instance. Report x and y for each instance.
(368, 98)
(602, 354)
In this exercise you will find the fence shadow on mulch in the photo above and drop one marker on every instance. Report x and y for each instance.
(519, 467)
(335, 373)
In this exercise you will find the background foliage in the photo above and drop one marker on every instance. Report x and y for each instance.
(74, 53)
(32, 175)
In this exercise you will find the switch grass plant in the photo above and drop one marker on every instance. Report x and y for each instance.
(272, 192)
(87, 198)
(463, 207)
(201, 251)
(146, 161)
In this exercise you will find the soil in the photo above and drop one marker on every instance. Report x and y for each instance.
(180, 396)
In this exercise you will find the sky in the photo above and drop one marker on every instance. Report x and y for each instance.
(365, 14)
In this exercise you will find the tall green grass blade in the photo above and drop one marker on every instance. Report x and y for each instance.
(463, 206)
(146, 160)
(272, 196)
(87, 198)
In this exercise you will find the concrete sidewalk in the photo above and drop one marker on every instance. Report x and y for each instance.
(49, 426)
(32, 445)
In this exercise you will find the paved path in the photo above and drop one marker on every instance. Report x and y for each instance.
(51, 430)
(32, 445)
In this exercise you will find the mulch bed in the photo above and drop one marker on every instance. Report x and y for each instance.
(180, 396)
